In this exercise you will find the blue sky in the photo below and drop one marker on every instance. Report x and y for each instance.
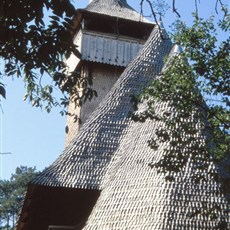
(36, 138)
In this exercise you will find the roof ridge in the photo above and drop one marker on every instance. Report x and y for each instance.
(122, 3)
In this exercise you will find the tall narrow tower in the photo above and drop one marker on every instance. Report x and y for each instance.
(109, 34)
(103, 180)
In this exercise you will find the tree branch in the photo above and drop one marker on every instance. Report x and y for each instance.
(222, 7)
(196, 6)
(155, 17)
(174, 8)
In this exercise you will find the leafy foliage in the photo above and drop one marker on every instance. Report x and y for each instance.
(193, 92)
(34, 48)
(12, 193)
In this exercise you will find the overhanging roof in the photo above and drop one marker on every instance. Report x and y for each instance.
(115, 8)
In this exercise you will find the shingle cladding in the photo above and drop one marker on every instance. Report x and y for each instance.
(84, 162)
(111, 154)
(136, 196)
(115, 8)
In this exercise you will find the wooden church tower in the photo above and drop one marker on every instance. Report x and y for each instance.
(102, 180)
(109, 34)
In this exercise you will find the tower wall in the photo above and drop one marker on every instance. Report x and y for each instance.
(107, 45)
(104, 77)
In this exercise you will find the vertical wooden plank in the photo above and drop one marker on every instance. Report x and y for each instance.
(120, 52)
(106, 50)
(114, 52)
(86, 47)
(100, 53)
(92, 51)
(109, 50)
(127, 55)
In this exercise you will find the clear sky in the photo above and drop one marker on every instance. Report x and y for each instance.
(36, 138)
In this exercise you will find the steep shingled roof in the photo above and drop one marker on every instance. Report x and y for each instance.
(115, 8)
(111, 154)
(136, 196)
(84, 162)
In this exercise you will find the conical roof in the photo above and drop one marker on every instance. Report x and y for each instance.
(84, 162)
(111, 153)
(115, 8)
(136, 196)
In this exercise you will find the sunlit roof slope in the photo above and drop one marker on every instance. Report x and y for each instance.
(84, 162)
(136, 196)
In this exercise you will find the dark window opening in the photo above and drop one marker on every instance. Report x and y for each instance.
(117, 26)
